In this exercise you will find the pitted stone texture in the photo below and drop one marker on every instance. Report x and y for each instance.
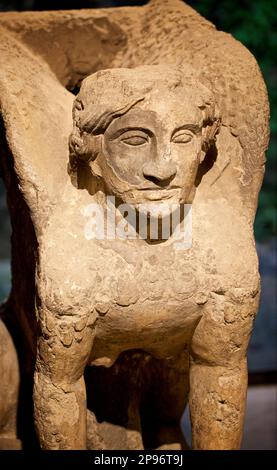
(172, 111)
(9, 389)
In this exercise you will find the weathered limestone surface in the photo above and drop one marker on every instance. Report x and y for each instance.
(9, 388)
(173, 111)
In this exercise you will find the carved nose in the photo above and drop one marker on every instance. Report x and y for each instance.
(160, 175)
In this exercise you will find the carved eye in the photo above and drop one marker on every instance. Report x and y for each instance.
(182, 137)
(134, 139)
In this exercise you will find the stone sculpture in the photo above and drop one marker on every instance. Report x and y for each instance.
(9, 388)
(171, 112)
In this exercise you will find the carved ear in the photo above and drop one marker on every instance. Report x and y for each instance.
(96, 169)
(209, 136)
(84, 148)
(97, 148)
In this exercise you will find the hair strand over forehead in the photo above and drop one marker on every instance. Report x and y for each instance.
(93, 109)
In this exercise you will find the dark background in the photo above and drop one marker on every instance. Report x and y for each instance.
(254, 23)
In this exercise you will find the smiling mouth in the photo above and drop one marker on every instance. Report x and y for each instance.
(158, 194)
(159, 188)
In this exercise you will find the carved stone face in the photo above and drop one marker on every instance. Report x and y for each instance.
(143, 132)
(152, 152)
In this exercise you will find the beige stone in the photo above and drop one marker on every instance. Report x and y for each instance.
(172, 112)
(9, 388)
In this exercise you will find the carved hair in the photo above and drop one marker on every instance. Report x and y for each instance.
(81, 144)
(91, 119)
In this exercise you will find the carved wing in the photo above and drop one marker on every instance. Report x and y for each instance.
(36, 114)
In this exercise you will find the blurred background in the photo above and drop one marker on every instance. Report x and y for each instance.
(254, 23)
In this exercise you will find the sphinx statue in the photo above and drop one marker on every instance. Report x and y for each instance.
(122, 329)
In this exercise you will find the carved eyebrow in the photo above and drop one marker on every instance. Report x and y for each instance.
(121, 131)
(195, 128)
